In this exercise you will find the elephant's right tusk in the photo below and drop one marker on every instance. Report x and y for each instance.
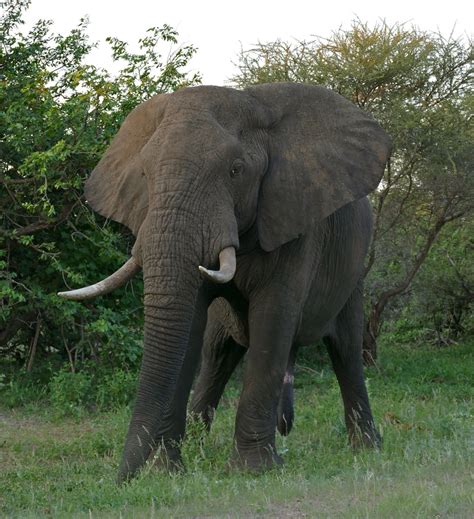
(117, 279)
(227, 267)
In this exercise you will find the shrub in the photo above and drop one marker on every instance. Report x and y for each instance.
(71, 392)
(116, 389)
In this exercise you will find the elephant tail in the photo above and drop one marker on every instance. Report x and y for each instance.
(285, 411)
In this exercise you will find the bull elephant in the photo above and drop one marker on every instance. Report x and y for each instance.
(257, 196)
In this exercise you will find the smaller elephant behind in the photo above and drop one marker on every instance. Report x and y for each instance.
(225, 344)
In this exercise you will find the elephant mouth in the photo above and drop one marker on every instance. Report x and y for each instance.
(226, 272)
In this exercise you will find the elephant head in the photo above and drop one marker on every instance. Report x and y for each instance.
(190, 172)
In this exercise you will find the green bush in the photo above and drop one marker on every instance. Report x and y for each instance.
(18, 388)
(58, 113)
(116, 389)
(71, 392)
(406, 329)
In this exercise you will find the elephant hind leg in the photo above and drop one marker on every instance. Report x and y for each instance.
(344, 346)
(220, 356)
(285, 409)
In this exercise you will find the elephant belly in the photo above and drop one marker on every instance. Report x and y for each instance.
(327, 296)
(330, 290)
(317, 320)
(338, 273)
(320, 311)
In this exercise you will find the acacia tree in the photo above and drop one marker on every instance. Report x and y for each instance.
(57, 115)
(418, 85)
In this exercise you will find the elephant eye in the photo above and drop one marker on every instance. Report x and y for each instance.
(236, 169)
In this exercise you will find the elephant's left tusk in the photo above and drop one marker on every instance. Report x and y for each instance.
(117, 279)
(226, 270)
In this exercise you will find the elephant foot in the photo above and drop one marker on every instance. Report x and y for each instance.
(168, 459)
(256, 460)
(366, 437)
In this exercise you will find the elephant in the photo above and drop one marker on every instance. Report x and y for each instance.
(257, 196)
(225, 344)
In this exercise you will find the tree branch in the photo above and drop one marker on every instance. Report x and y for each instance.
(15, 181)
(34, 344)
(420, 258)
(14, 325)
(43, 224)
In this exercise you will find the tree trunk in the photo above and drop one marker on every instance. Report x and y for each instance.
(34, 344)
(374, 322)
(371, 331)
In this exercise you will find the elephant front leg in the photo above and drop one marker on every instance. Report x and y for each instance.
(271, 331)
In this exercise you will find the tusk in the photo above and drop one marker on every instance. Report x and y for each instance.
(117, 279)
(226, 270)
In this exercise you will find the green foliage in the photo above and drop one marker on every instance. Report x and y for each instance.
(439, 307)
(407, 328)
(70, 391)
(57, 114)
(95, 386)
(21, 389)
(76, 393)
(116, 389)
(443, 293)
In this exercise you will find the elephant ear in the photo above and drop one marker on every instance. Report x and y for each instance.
(324, 152)
(117, 187)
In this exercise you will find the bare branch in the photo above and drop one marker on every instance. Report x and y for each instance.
(43, 224)
(18, 181)
(34, 343)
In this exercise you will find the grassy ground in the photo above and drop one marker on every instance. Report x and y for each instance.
(422, 399)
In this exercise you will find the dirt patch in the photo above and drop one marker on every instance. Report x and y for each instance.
(22, 436)
(12, 420)
(292, 510)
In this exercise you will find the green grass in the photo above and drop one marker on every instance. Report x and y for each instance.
(422, 400)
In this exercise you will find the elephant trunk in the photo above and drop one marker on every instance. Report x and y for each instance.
(171, 284)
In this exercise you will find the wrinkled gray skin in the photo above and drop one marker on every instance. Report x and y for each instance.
(225, 344)
(280, 172)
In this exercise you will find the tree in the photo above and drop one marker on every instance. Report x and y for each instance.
(443, 292)
(57, 115)
(418, 85)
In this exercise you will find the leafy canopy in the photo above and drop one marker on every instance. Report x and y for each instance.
(58, 112)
